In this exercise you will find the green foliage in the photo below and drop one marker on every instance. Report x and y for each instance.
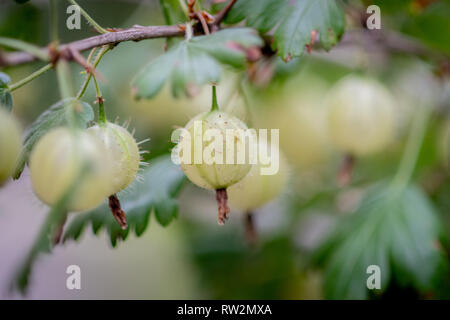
(21, 22)
(429, 24)
(172, 11)
(5, 94)
(397, 231)
(162, 181)
(294, 21)
(57, 115)
(195, 62)
(263, 273)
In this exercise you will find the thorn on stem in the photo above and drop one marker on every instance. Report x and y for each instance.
(222, 204)
(118, 213)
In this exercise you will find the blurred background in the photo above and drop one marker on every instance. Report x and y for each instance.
(193, 257)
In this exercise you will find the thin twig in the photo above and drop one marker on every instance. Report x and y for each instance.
(28, 48)
(131, 34)
(78, 58)
(31, 77)
(89, 18)
(223, 13)
(203, 22)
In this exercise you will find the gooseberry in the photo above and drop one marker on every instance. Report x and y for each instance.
(123, 150)
(362, 116)
(256, 189)
(10, 144)
(216, 175)
(59, 158)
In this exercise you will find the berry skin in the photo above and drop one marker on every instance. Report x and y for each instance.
(256, 190)
(57, 161)
(213, 175)
(123, 150)
(362, 116)
(216, 176)
(10, 144)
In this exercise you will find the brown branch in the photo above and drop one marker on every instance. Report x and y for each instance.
(136, 33)
(219, 17)
(202, 20)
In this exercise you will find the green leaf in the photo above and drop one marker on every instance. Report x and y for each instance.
(162, 181)
(195, 62)
(294, 20)
(5, 94)
(174, 11)
(397, 232)
(57, 115)
(262, 15)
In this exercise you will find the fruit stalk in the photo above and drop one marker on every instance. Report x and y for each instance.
(250, 229)
(346, 170)
(222, 204)
(118, 213)
(214, 105)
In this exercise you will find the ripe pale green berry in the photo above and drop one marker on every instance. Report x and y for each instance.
(362, 116)
(216, 176)
(210, 174)
(123, 151)
(256, 190)
(57, 161)
(10, 144)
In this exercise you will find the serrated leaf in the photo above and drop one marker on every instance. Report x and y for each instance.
(397, 232)
(57, 115)
(162, 181)
(262, 15)
(195, 62)
(293, 21)
(5, 94)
